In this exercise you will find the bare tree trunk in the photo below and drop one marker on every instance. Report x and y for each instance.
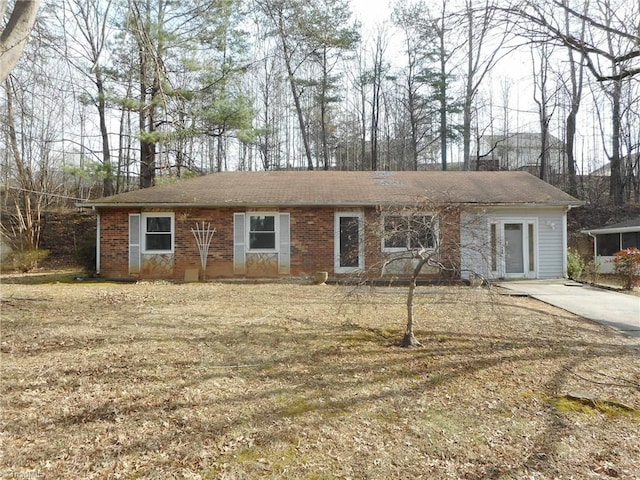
(363, 124)
(107, 182)
(323, 111)
(295, 92)
(616, 185)
(16, 33)
(575, 97)
(469, 92)
(442, 90)
(28, 206)
(541, 97)
(409, 339)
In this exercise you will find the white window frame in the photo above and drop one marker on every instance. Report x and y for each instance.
(434, 227)
(143, 227)
(525, 222)
(336, 242)
(276, 228)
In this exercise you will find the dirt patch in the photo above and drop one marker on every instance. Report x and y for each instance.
(154, 380)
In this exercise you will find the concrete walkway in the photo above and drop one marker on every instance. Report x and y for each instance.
(620, 311)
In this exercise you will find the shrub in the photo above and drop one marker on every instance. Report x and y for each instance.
(627, 266)
(86, 254)
(575, 264)
(26, 260)
(592, 270)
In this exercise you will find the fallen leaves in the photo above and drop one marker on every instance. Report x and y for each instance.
(155, 380)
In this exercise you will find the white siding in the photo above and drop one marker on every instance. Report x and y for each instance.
(475, 250)
(549, 240)
(551, 244)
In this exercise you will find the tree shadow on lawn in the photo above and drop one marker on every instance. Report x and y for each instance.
(304, 375)
(315, 383)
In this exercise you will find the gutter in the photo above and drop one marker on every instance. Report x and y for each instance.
(386, 203)
(595, 242)
(595, 231)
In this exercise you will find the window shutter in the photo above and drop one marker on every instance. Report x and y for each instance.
(134, 243)
(284, 248)
(239, 264)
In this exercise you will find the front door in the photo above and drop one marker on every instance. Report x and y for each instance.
(514, 249)
(349, 255)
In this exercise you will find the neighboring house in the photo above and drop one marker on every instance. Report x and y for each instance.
(611, 239)
(630, 167)
(283, 223)
(521, 151)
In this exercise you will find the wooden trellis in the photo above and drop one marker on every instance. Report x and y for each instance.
(203, 235)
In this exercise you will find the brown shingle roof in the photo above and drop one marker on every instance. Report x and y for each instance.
(629, 225)
(339, 188)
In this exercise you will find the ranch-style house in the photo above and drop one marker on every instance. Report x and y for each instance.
(295, 223)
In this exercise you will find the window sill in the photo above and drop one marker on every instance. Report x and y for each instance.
(405, 250)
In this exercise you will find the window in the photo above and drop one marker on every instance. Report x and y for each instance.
(262, 232)
(608, 244)
(408, 232)
(395, 235)
(630, 240)
(158, 232)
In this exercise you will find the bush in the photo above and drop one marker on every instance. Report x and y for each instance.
(86, 254)
(25, 260)
(575, 264)
(592, 270)
(627, 266)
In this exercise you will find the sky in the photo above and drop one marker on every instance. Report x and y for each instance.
(515, 69)
(371, 11)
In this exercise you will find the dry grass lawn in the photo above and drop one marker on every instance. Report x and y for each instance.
(231, 381)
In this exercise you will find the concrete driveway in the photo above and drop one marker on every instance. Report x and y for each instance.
(620, 311)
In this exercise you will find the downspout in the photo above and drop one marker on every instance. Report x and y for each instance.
(98, 244)
(564, 243)
(595, 247)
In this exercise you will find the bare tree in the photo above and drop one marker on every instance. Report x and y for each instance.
(419, 242)
(15, 33)
(576, 79)
(418, 71)
(417, 233)
(377, 77)
(31, 127)
(331, 35)
(607, 43)
(285, 17)
(543, 98)
(445, 51)
(606, 21)
(479, 22)
(85, 44)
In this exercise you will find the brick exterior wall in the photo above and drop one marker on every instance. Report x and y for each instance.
(114, 243)
(312, 241)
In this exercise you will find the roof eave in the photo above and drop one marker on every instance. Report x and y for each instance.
(526, 204)
(596, 231)
(312, 204)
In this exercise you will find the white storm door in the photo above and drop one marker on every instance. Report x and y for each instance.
(514, 249)
(349, 242)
